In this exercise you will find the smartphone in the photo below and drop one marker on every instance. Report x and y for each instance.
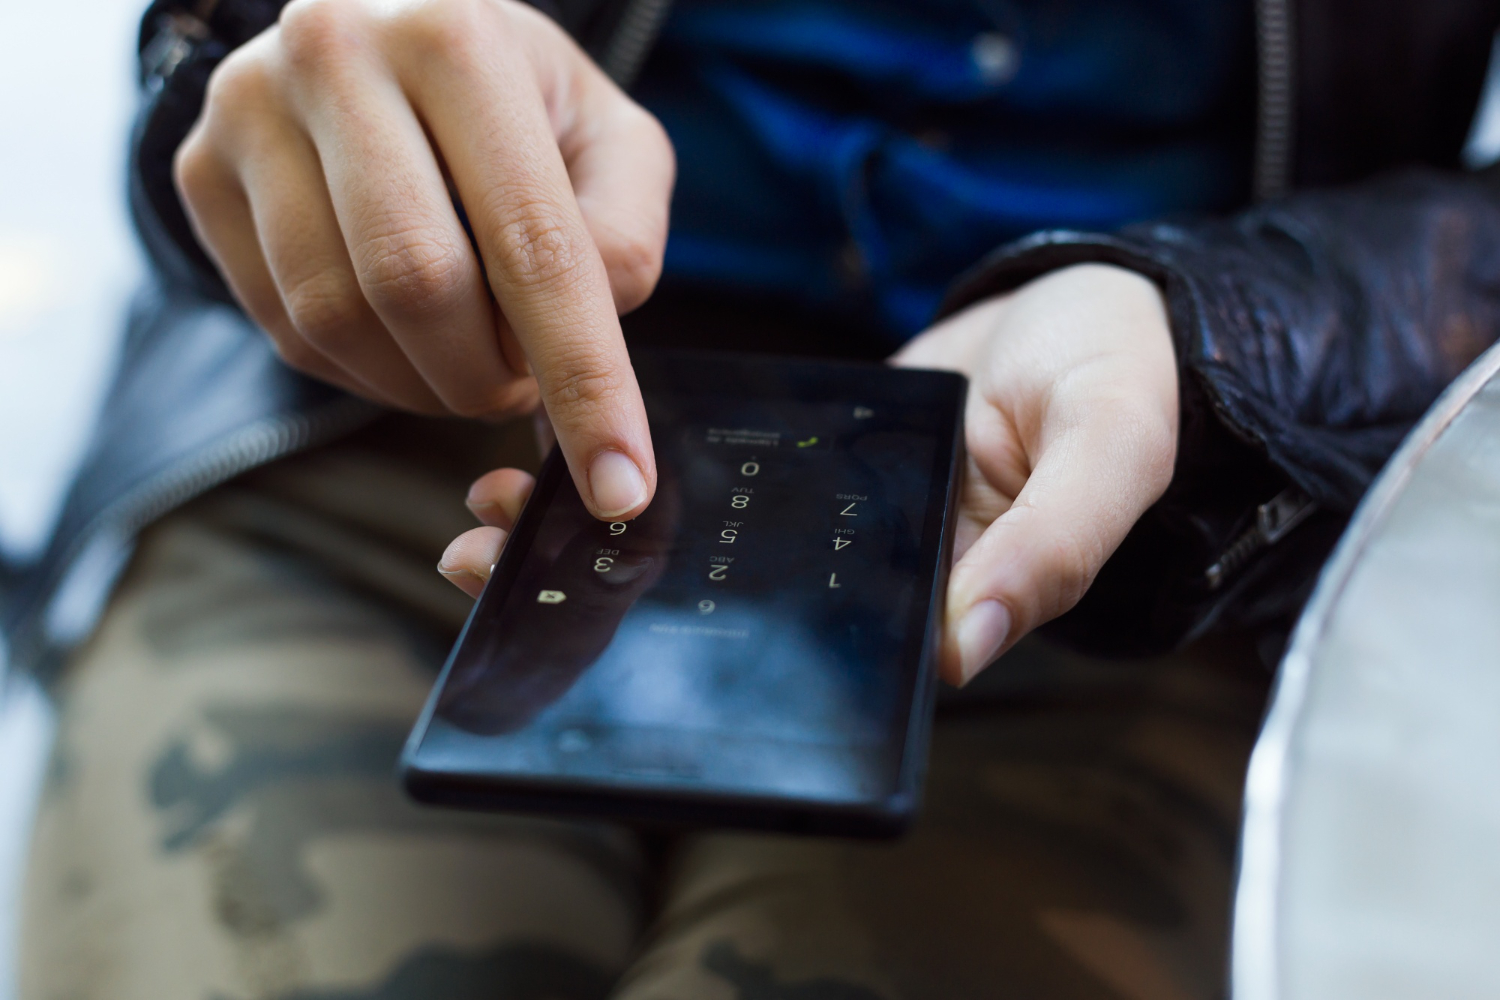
(756, 650)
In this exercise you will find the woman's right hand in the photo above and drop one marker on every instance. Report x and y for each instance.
(321, 178)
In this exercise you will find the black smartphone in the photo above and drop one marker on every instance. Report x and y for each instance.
(756, 650)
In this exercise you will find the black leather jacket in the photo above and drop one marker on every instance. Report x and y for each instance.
(1312, 329)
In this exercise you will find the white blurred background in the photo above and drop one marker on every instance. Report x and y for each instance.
(68, 263)
(67, 257)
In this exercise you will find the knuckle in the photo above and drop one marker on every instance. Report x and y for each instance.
(537, 245)
(239, 83)
(193, 167)
(578, 386)
(413, 274)
(314, 31)
(326, 311)
(446, 28)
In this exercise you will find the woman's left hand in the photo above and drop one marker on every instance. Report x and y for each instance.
(1071, 429)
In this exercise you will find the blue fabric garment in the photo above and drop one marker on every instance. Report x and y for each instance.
(860, 154)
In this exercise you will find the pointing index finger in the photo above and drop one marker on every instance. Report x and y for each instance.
(488, 115)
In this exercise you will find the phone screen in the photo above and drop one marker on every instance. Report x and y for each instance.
(758, 631)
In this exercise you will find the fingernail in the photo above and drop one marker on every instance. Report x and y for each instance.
(450, 565)
(616, 483)
(980, 636)
(477, 506)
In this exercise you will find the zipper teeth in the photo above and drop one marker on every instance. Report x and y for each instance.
(1274, 520)
(261, 442)
(1228, 564)
(633, 38)
(1274, 119)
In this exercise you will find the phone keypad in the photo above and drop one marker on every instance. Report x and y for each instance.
(806, 527)
(769, 587)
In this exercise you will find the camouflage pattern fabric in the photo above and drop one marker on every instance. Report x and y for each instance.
(221, 821)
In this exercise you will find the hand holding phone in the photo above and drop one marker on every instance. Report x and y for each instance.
(757, 649)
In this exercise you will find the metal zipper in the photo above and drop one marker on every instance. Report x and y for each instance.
(1274, 520)
(1275, 113)
(73, 602)
(636, 33)
(262, 442)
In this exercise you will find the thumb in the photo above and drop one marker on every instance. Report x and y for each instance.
(1091, 483)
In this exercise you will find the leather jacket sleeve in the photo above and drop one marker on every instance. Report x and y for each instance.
(178, 49)
(1311, 334)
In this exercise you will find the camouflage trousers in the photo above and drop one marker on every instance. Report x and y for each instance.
(221, 822)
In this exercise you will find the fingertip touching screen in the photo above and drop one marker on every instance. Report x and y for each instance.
(762, 632)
